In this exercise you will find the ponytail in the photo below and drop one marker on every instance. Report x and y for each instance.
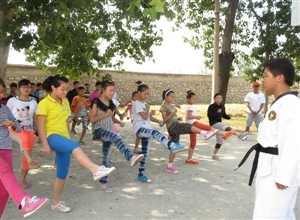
(53, 81)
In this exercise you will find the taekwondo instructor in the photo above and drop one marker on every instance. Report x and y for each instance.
(278, 176)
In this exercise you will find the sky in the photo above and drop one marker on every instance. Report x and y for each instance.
(173, 56)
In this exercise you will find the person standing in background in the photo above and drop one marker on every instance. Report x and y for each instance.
(255, 102)
(13, 89)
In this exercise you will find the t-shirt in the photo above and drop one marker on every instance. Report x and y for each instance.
(5, 100)
(79, 103)
(255, 101)
(168, 109)
(56, 115)
(138, 121)
(37, 93)
(5, 114)
(71, 94)
(94, 95)
(190, 108)
(87, 94)
(23, 111)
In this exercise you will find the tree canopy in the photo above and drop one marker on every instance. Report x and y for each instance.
(81, 36)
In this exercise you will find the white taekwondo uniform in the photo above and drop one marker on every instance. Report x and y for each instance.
(280, 128)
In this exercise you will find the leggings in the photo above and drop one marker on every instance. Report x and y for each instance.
(193, 136)
(9, 186)
(26, 141)
(63, 148)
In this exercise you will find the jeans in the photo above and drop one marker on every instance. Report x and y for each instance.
(9, 186)
(108, 138)
(145, 134)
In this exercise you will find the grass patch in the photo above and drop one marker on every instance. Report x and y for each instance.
(237, 121)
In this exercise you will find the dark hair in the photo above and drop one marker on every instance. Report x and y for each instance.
(217, 94)
(104, 84)
(53, 81)
(282, 66)
(142, 88)
(98, 83)
(75, 82)
(81, 88)
(138, 82)
(39, 84)
(133, 93)
(23, 82)
(166, 93)
(86, 84)
(33, 84)
(13, 85)
(190, 94)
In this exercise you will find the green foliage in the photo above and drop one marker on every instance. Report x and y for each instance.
(82, 36)
(255, 38)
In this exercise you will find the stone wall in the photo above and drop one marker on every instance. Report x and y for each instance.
(125, 83)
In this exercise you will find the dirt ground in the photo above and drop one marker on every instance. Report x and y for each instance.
(210, 190)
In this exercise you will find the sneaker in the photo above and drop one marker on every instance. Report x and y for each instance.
(228, 134)
(209, 134)
(33, 165)
(136, 151)
(136, 158)
(33, 204)
(73, 132)
(161, 123)
(171, 170)
(143, 179)
(61, 206)
(24, 184)
(191, 161)
(178, 148)
(122, 116)
(102, 171)
(81, 142)
(215, 157)
(106, 188)
(242, 135)
(78, 122)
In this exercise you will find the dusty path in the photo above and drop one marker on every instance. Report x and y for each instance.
(210, 190)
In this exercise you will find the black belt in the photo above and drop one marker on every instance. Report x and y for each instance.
(258, 148)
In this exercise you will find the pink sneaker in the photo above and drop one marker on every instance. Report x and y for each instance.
(171, 170)
(136, 158)
(33, 204)
(102, 171)
(209, 134)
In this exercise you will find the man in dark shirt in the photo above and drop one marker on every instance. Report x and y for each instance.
(72, 93)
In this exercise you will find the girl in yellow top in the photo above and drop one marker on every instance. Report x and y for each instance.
(54, 132)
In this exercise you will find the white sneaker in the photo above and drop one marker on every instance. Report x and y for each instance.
(209, 134)
(242, 135)
(61, 206)
(102, 171)
(215, 157)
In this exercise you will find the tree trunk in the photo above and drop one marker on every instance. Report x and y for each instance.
(226, 57)
(5, 18)
(4, 51)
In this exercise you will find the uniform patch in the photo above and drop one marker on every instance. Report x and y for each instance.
(272, 115)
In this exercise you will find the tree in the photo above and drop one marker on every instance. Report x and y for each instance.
(252, 32)
(80, 36)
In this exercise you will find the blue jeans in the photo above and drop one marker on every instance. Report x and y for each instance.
(145, 134)
(108, 138)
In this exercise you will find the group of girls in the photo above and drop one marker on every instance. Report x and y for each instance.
(54, 133)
